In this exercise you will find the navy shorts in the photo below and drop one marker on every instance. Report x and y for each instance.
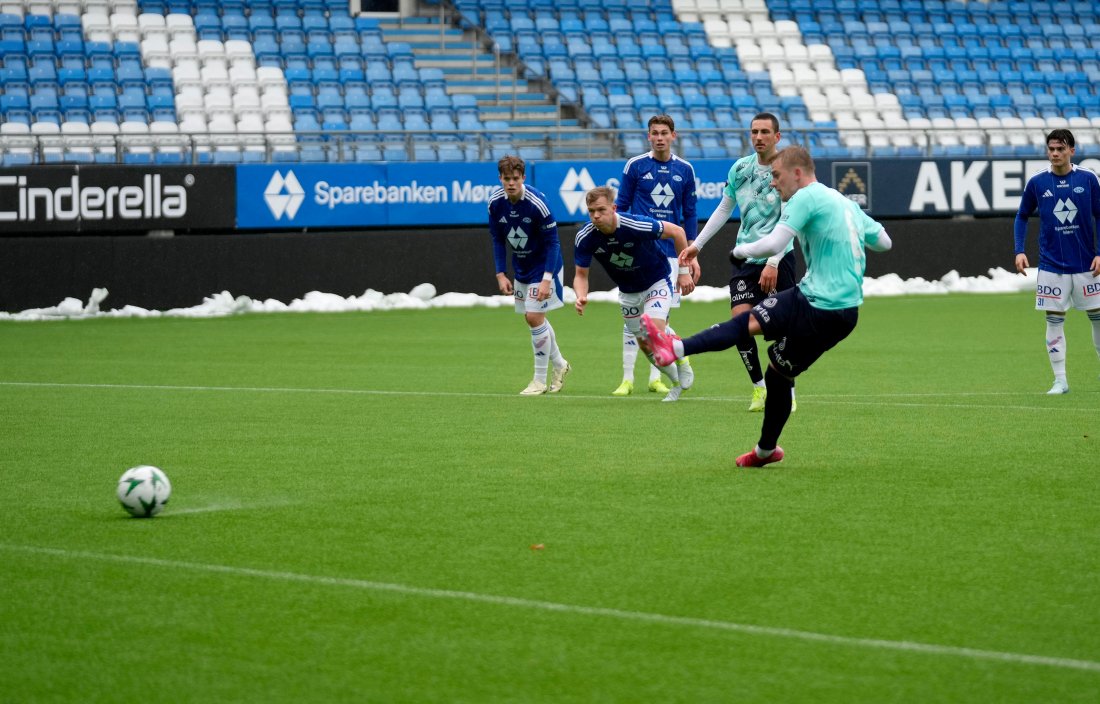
(800, 333)
(745, 281)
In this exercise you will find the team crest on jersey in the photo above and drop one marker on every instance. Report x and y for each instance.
(769, 302)
(662, 195)
(517, 238)
(1065, 211)
(623, 261)
(741, 285)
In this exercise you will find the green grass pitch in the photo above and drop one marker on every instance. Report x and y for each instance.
(357, 497)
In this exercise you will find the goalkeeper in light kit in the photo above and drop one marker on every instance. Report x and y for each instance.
(802, 322)
(1068, 200)
(520, 220)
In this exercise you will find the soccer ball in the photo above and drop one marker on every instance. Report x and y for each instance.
(143, 491)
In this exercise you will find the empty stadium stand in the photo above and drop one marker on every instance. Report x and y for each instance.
(239, 81)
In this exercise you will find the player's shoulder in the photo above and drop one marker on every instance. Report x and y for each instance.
(496, 196)
(742, 166)
(634, 164)
(536, 198)
(1085, 174)
(682, 163)
(583, 234)
(635, 221)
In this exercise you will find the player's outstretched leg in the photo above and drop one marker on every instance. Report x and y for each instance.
(660, 343)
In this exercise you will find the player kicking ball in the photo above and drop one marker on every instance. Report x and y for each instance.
(802, 322)
(626, 245)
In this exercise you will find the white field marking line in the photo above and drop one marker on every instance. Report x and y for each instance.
(642, 616)
(839, 400)
(228, 506)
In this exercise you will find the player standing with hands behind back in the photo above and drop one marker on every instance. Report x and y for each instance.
(1068, 200)
(520, 219)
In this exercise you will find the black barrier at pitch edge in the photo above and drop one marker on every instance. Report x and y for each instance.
(109, 199)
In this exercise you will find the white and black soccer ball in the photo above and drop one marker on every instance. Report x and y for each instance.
(143, 491)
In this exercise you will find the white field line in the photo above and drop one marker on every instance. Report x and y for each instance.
(844, 399)
(594, 611)
(229, 506)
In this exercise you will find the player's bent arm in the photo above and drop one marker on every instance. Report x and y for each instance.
(882, 243)
(672, 231)
(580, 287)
(717, 219)
(772, 243)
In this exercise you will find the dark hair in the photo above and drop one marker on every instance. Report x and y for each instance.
(1063, 136)
(796, 156)
(662, 120)
(510, 164)
(599, 192)
(767, 116)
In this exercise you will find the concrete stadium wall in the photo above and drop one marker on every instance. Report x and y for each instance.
(162, 273)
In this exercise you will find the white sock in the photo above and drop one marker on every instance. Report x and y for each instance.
(630, 353)
(556, 357)
(1056, 345)
(678, 348)
(670, 331)
(1094, 317)
(540, 345)
(670, 371)
(764, 454)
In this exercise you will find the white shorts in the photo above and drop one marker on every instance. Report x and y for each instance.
(1058, 292)
(654, 301)
(527, 296)
(675, 264)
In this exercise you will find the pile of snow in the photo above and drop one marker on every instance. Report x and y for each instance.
(424, 296)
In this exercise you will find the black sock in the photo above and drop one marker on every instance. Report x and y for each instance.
(777, 408)
(750, 356)
(719, 337)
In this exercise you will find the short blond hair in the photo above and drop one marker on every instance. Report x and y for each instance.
(796, 156)
(599, 192)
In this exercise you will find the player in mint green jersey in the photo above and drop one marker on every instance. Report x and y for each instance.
(807, 320)
(749, 187)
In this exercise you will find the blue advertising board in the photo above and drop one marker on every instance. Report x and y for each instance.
(298, 196)
(362, 195)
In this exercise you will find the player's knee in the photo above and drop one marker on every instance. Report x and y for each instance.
(776, 379)
(535, 319)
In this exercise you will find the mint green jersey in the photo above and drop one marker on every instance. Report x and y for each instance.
(832, 231)
(750, 184)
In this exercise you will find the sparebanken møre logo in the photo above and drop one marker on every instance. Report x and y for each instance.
(284, 195)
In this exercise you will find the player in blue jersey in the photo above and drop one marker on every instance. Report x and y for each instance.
(520, 220)
(1068, 200)
(625, 245)
(661, 185)
(749, 187)
(807, 320)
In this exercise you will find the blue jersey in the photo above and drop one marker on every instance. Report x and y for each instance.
(629, 254)
(1069, 213)
(663, 190)
(529, 229)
